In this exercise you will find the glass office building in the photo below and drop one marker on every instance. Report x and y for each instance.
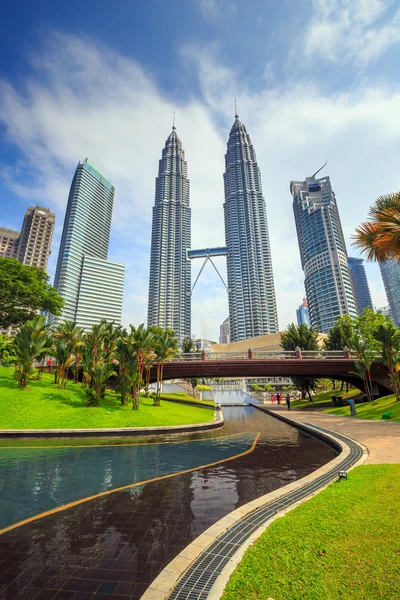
(170, 269)
(82, 266)
(323, 252)
(252, 304)
(362, 294)
(390, 271)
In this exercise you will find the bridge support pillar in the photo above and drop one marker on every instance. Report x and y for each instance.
(298, 352)
(203, 355)
(250, 353)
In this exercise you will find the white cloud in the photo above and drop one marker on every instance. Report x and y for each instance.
(83, 99)
(352, 30)
(217, 10)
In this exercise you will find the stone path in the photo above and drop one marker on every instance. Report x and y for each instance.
(382, 438)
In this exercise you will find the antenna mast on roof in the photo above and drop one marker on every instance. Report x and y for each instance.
(324, 165)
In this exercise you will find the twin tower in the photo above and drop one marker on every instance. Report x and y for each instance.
(251, 292)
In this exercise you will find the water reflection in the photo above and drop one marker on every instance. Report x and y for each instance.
(118, 544)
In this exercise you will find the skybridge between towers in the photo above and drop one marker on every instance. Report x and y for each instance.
(208, 254)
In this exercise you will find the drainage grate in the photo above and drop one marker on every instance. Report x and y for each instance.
(198, 580)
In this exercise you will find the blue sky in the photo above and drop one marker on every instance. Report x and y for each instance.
(314, 80)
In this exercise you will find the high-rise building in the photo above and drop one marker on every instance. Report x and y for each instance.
(390, 271)
(36, 235)
(225, 332)
(170, 272)
(8, 242)
(361, 291)
(323, 252)
(252, 304)
(91, 286)
(302, 314)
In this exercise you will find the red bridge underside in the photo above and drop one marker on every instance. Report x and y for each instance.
(331, 368)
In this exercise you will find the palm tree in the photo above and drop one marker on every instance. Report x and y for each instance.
(142, 344)
(365, 358)
(67, 341)
(124, 358)
(165, 348)
(379, 237)
(389, 337)
(31, 342)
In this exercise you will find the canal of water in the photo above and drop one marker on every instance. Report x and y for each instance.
(148, 501)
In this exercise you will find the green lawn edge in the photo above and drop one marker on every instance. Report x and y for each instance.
(371, 410)
(343, 543)
(44, 406)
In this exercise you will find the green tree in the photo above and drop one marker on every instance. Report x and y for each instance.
(194, 382)
(31, 342)
(7, 349)
(388, 336)
(302, 336)
(306, 338)
(367, 324)
(341, 334)
(24, 291)
(187, 346)
(363, 363)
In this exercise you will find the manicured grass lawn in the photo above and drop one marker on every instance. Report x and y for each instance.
(44, 406)
(342, 544)
(371, 410)
(325, 397)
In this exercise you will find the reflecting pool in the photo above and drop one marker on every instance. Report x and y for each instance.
(115, 544)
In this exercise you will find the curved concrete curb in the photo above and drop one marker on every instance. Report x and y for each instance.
(164, 586)
(125, 431)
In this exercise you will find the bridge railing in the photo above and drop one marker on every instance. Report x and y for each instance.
(260, 354)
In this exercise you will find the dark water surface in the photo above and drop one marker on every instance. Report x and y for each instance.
(115, 545)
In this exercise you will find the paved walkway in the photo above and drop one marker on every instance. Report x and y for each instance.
(382, 438)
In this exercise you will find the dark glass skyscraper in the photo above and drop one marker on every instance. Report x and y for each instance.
(252, 304)
(390, 271)
(323, 252)
(170, 273)
(362, 295)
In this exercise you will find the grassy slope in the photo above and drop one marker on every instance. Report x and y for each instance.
(44, 406)
(344, 543)
(371, 410)
(183, 397)
(325, 397)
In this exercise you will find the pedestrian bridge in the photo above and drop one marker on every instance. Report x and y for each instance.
(259, 363)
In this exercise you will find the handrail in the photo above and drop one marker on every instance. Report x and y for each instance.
(259, 354)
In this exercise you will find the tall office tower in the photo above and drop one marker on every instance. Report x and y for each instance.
(323, 252)
(252, 304)
(390, 271)
(225, 332)
(362, 294)
(170, 273)
(91, 286)
(36, 235)
(8, 242)
(302, 314)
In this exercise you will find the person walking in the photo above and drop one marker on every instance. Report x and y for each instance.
(278, 398)
(273, 398)
(288, 400)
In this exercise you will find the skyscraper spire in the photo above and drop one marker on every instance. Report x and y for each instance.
(236, 112)
(252, 305)
(173, 122)
(170, 273)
